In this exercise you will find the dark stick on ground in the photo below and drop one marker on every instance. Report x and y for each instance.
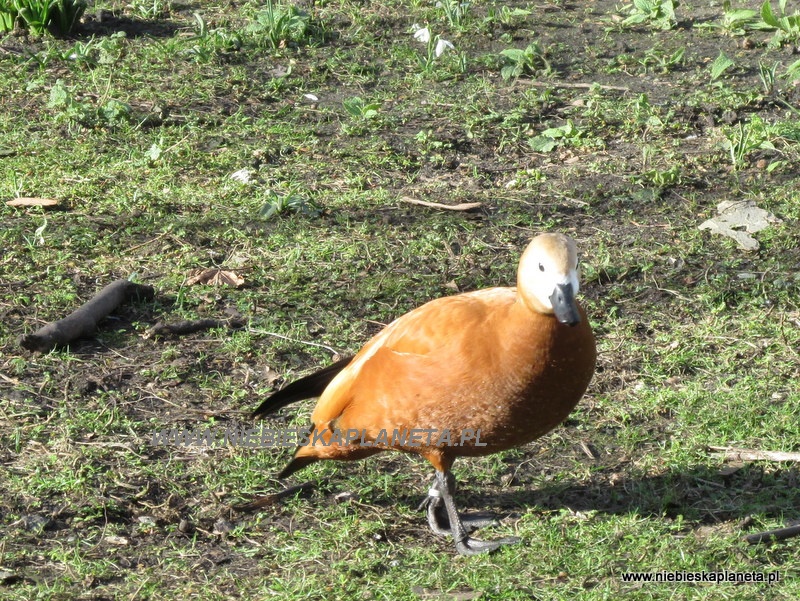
(773, 535)
(82, 322)
(181, 328)
(268, 500)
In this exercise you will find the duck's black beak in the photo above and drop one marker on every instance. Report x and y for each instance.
(564, 305)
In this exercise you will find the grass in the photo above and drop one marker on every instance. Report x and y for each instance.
(40, 16)
(136, 126)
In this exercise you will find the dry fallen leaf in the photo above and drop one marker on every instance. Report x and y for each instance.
(29, 201)
(216, 277)
(737, 214)
(116, 540)
(271, 376)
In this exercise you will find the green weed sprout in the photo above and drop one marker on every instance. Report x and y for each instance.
(8, 15)
(787, 27)
(278, 26)
(658, 14)
(519, 62)
(455, 11)
(39, 16)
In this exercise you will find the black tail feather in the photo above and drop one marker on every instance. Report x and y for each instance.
(305, 388)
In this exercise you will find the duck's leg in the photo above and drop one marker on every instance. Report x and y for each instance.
(437, 515)
(446, 485)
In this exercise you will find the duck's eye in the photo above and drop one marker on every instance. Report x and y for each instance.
(541, 267)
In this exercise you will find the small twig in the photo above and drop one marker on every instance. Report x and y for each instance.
(736, 454)
(267, 500)
(773, 535)
(13, 381)
(181, 328)
(282, 337)
(654, 225)
(464, 206)
(575, 201)
(673, 292)
(564, 84)
(138, 246)
(710, 483)
(588, 451)
(109, 445)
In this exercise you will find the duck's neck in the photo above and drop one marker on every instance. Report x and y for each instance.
(531, 303)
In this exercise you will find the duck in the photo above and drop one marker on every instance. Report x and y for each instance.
(467, 375)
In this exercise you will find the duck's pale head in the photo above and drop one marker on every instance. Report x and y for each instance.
(547, 278)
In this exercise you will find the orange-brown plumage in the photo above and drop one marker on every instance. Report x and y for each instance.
(498, 362)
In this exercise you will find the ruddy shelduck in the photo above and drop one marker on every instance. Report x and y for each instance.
(464, 375)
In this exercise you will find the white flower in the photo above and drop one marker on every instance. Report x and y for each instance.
(422, 34)
(441, 46)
